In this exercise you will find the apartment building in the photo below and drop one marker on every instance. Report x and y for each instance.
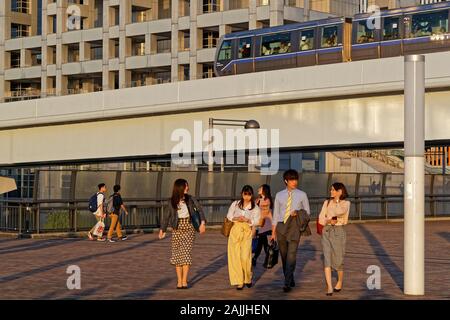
(60, 47)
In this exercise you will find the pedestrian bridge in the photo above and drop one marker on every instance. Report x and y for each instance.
(348, 104)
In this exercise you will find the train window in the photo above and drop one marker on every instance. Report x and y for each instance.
(276, 44)
(365, 32)
(245, 48)
(225, 52)
(391, 28)
(329, 37)
(306, 40)
(427, 24)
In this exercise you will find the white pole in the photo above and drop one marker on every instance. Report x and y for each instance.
(210, 147)
(414, 194)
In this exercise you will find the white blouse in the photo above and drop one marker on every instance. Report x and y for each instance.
(235, 212)
(183, 211)
(331, 209)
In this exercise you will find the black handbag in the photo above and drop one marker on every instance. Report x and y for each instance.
(272, 255)
(196, 220)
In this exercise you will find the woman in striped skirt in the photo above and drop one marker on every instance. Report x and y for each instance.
(334, 217)
(181, 207)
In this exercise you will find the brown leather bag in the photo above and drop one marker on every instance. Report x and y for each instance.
(226, 227)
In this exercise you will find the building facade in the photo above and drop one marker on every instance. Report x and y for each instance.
(60, 47)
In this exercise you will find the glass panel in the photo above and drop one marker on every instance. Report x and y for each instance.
(394, 184)
(169, 178)
(276, 44)
(253, 179)
(225, 51)
(139, 184)
(216, 184)
(277, 183)
(370, 184)
(329, 37)
(307, 40)
(245, 48)
(349, 180)
(427, 24)
(54, 185)
(391, 28)
(441, 185)
(364, 34)
(314, 184)
(87, 182)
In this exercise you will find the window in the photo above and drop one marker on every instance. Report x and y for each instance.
(225, 51)
(276, 44)
(210, 39)
(364, 33)
(19, 30)
(391, 28)
(306, 40)
(427, 24)
(329, 37)
(245, 48)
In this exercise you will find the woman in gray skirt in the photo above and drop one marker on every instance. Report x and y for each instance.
(334, 216)
(181, 207)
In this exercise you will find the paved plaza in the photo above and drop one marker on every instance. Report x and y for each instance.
(139, 268)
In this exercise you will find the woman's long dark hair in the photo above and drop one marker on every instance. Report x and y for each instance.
(267, 194)
(340, 186)
(178, 192)
(248, 189)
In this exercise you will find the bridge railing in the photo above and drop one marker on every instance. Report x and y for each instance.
(61, 197)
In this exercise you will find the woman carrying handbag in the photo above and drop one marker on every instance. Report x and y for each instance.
(245, 215)
(333, 217)
(185, 217)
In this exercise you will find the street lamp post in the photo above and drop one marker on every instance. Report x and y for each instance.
(247, 124)
(414, 194)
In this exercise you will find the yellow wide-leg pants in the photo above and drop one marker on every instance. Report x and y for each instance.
(240, 254)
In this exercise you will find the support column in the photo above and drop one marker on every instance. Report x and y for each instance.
(276, 13)
(414, 194)
(253, 19)
(125, 44)
(174, 39)
(44, 50)
(106, 51)
(61, 50)
(194, 41)
(3, 28)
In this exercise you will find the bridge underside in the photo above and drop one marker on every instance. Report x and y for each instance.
(347, 104)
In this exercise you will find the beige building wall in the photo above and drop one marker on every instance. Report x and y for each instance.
(141, 42)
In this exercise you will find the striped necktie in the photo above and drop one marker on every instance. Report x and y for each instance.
(288, 207)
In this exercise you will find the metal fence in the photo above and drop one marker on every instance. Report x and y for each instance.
(61, 197)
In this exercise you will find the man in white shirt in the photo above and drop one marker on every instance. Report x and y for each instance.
(285, 229)
(100, 213)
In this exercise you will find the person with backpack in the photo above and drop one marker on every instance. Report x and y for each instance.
(96, 206)
(115, 204)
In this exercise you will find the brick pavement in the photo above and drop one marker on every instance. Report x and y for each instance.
(139, 267)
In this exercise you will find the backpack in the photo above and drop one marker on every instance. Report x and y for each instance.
(109, 205)
(93, 205)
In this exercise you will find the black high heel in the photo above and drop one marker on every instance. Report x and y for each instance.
(337, 290)
(329, 294)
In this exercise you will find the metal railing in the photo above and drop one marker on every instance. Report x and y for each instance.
(60, 198)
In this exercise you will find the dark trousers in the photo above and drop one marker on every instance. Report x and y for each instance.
(262, 243)
(288, 246)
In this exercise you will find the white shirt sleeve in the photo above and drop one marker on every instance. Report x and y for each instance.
(100, 198)
(230, 214)
(305, 203)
